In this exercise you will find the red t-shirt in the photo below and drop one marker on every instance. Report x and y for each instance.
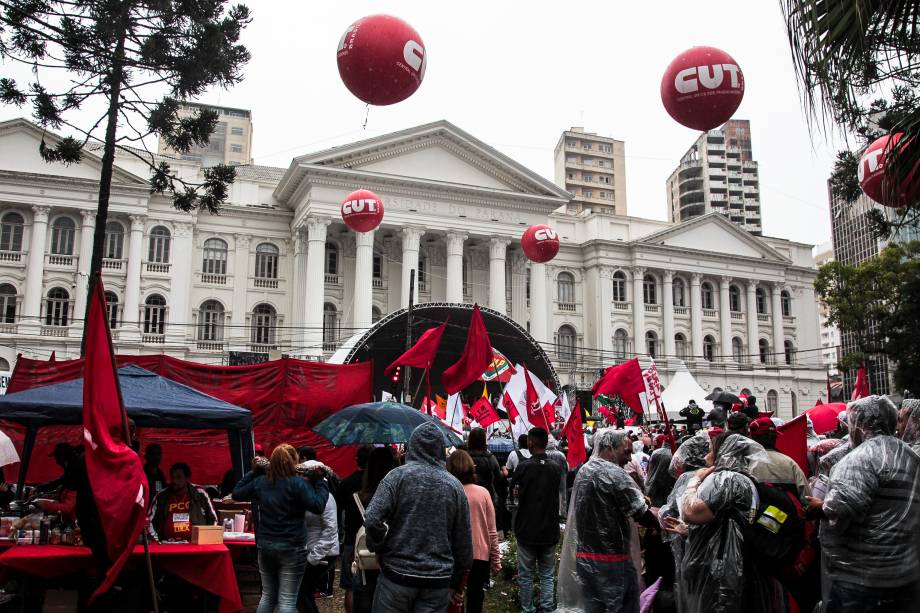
(177, 526)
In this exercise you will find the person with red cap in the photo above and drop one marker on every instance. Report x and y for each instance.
(779, 468)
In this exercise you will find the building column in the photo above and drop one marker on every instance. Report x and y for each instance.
(298, 274)
(667, 304)
(519, 288)
(183, 249)
(86, 256)
(539, 315)
(638, 311)
(314, 287)
(752, 325)
(604, 307)
(497, 249)
(131, 313)
(411, 237)
(777, 315)
(31, 309)
(364, 270)
(725, 319)
(455, 266)
(240, 280)
(696, 316)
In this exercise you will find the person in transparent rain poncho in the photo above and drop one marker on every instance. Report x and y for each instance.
(596, 572)
(909, 423)
(717, 505)
(871, 513)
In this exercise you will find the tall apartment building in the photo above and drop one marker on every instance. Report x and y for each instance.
(830, 334)
(593, 169)
(231, 142)
(718, 174)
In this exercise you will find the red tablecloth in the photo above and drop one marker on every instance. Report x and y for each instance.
(206, 566)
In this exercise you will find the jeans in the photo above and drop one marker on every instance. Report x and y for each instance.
(540, 561)
(608, 586)
(476, 584)
(849, 598)
(281, 568)
(390, 597)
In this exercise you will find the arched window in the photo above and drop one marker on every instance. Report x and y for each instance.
(111, 304)
(680, 345)
(773, 401)
(651, 344)
(4, 365)
(734, 299)
(264, 320)
(707, 295)
(57, 311)
(266, 261)
(375, 315)
(620, 342)
(761, 299)
(7, 304)
(709, 347)
(158, 253)
(789, 352)
(211, 321)
(764, 347)
(214, 260)
(62, 233)
(679, 289)
(619, 286)
(737, 349)
(155, 314)
(11, 232)
(566, 342)
(114, 240)
(331, 325)
(786, 301)
(565, 284)
(649, 293)
(331, 265)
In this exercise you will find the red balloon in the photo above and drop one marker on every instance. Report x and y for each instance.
(362, 210)
(381, 59)
(872, 179)
(702, 88)
(540, 243)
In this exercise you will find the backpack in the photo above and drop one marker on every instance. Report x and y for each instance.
(777, 535)
(365, 559)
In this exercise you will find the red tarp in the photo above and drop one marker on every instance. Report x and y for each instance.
(287, 397)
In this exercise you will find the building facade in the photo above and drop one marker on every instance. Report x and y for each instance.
(830, 334)
(279, 271)
(593, 169)
(230, 144)
(718, 174)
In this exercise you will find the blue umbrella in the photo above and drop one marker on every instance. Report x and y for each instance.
(380, 423)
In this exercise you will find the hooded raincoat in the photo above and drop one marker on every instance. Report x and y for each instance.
(659, 482)
(911, 434)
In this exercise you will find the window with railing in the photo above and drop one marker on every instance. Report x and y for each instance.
(760, 297)
(423, 273)
(331, 326)
(111, 306)
(57, 307)
(737, 349)
(211, 321)
(772, 401)
(707, 295)
(114, 240)
(734, 299)
(679, 289)
(620, 343)
(214, 260)
(7, 304)
(785, 301)
(565, 286)
(649, 290)
(266, 261)
(680, 346)
(62, 236)
(619, 286)
(651, 344)
(764, 346)
(789, 352)
(331, 261)
(566, 344)
(709, 347)
(11, 232)
(158, 251)
(264, 322)
(155, 314)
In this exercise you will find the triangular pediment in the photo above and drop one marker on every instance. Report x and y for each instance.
(714, 233)
(19, 143)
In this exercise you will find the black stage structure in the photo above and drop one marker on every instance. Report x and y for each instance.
(387, 339)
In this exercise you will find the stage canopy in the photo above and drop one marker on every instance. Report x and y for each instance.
(682, 389)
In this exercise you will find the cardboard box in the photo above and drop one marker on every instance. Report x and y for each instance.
(207, 535)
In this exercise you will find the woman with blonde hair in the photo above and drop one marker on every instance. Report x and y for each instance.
(283, 498)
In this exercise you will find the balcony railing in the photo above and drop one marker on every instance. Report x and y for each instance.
(332, 279)
(60, 331)
(329, 346)
(738, 316)
(153, 339)
(158, 267)
(467, 290)
(212, 279)
(265, 283)
(377, 283)
(112, 264)
(10, 256)
(9, 328)
(681, 310)
(262, 348)
(60, 260)
(567, 306)
(762, 317)
(210, 346)
(710, 313)
(789, 321)
(652, 308)
(620, 306)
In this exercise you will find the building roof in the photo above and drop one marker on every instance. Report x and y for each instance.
(255, 172)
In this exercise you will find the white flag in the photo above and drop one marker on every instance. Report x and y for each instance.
(565, 410)
(454, 418)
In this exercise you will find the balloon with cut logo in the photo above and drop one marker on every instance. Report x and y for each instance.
(381, 59)
(362, 210)
(702, 88)
(540, 243)
(879, 186)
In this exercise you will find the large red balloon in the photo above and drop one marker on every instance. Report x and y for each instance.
(876, 184)
(381, 59)
(540, 243)
(702, 88)
(362, 210)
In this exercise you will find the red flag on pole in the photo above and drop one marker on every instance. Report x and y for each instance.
(422, 353)
(477, 355)
(792, 440)
(483, 411)
(624, 380)
(535, 410)
(116, 475)
(510, 407)
(861, 389)
(575, 436)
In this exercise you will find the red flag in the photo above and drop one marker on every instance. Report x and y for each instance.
(574, 435)
(483, 411)
(53, 357)
(624, 380)
(791, 439)
(115, 472)
(440, 407)
(421, 354)
(861, 389)
(510, 407)
(477, 355)
(535, 410)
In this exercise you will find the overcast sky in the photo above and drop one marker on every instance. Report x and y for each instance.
(517, 74)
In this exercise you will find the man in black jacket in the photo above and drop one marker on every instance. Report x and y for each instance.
(694, 415)
(536, 486)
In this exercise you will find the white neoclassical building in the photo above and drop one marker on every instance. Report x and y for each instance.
(279, 271)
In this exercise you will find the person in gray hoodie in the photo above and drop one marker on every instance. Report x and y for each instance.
(419, 523)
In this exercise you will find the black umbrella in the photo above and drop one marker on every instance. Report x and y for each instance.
(380, 423)
(723, 397)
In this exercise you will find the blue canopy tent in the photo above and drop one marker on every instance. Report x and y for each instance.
(150, 400)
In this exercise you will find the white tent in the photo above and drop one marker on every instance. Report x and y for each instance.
(682, 389)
